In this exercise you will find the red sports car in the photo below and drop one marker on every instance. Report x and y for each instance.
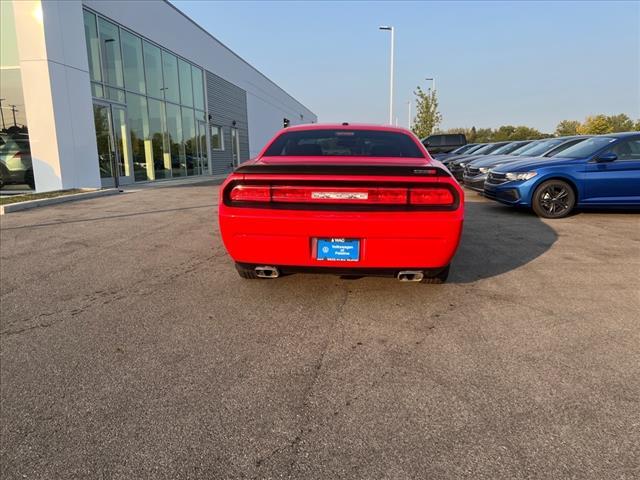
(342, 199)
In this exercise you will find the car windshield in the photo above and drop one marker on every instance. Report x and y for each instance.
(542, 147)
(462, 149)
(508, 148)
(475, 149)
(344, 143)
(586, 148)
(490, 147)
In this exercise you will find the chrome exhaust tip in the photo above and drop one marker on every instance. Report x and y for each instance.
(410, 276)
(267, 272)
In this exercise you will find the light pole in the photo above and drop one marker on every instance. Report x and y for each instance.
(409, 117)
(390, 29)
(434, 82)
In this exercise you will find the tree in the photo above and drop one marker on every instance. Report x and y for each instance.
(596, 125)
(427, 116)
(620, 123)
(636, 126)
(567, 128)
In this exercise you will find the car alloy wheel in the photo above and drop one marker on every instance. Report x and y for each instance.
(554, 199)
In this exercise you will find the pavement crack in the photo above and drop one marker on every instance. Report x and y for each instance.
(294, 443)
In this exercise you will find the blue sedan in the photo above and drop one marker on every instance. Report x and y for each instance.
(602, 171)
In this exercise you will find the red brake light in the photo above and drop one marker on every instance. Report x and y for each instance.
(321, 194)
(341, 195)
(430, 196)
(251, 193)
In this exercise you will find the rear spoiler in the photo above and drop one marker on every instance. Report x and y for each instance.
(323, 169)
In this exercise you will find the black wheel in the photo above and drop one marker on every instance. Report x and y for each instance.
(553, 199)
(441, 277)
(246, 273)
(29, 180)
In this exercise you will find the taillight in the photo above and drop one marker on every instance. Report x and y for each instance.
(340, 195)
(251, 193)
(430, 196)
(366, 195)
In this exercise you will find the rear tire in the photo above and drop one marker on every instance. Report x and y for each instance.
(553, 199)
(246, 273)
(441, 276)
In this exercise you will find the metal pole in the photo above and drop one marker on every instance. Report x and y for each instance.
(409, 118)
(2, 114)
(14, 110)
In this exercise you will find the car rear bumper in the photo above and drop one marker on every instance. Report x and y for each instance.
(388, 240)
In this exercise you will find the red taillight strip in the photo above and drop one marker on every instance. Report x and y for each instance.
(267, 194)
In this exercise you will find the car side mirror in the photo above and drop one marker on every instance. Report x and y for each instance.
(607, 157)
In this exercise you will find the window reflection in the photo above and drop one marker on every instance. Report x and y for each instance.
(132, 61)
(156, 92)
(174, 139)
(189, 137)
(170, 70)
(153, 69)
(198, 87)
(16, 171)
(186, 89)
(110, 48)
(93, 46)
(139, 134)
(159, 149)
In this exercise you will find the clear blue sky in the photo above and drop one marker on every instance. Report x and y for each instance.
(495, 63)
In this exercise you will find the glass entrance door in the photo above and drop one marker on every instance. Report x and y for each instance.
(203, 159)
(235, 147)
(112, 138)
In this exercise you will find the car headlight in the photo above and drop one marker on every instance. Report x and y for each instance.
(484, 169)
(520, 175)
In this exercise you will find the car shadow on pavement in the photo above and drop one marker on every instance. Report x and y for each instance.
(497, 239)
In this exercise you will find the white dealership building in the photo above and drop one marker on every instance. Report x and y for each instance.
(103, 92)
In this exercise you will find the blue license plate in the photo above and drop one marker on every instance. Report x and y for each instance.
(338, 249)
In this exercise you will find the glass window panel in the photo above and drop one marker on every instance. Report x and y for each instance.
(115, 94)
(97, 90)
(201, 116)
(102, 121)
(15, 152)
(159, 148)
(139, 135)
(170, 74)
(93, 45)
(189, 138)
(186, 89)
(198, 88)
(153, 69)
(110, 48)
(174, 139)
(132, 61)
(217, 140)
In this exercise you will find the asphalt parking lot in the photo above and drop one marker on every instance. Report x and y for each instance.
(130, 348)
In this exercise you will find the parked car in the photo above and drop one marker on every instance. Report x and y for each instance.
(475, 172)
(471, 151)
(601, 171)
(444, 142)
(457, 151)
(313, 200)
(15, 160)
(456, 166)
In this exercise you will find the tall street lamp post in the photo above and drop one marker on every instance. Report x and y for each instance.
(390, 29)
(434, 82)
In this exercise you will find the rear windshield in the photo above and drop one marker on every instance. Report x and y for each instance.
(344, 143)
